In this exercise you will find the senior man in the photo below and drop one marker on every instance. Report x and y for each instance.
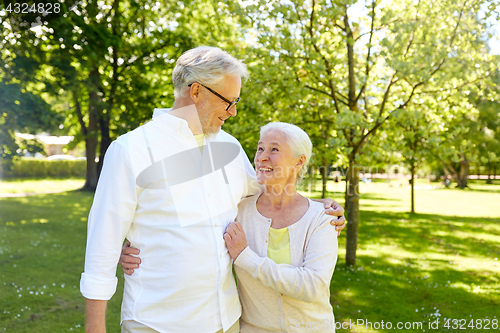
(171, 187)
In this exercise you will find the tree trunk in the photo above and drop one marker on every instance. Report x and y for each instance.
(91, 139)
(352, 213)
(324, 178)
(347, 181)
(488, 181)
(412, 184)
(105, 139)
(463, 172)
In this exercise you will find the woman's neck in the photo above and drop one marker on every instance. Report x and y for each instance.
(279, 196)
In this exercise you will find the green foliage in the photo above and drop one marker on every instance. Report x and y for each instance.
(487, 134)
(31, 146)
(40, 168)
(22, 111)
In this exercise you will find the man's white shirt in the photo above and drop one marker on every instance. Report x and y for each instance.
(174, 206)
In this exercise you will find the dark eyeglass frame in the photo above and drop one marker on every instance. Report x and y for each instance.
(231, 104)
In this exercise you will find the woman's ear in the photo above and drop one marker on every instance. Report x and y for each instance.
(301, 161)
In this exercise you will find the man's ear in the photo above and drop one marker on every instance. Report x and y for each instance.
(194, 92)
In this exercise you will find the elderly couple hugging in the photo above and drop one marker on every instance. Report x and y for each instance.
(185, 196)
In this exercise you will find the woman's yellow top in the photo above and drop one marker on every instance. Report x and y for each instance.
(279, 246)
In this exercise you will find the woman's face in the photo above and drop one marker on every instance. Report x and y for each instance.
(274, 162)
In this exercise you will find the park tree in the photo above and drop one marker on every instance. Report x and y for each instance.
(367, 62)
(22, 109)
(458, 145)
(486, 100)
(109, 63)
(413, 136)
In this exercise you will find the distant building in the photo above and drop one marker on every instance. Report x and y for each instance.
(53, 145)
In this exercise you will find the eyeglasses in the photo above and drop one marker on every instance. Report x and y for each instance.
(231, 104)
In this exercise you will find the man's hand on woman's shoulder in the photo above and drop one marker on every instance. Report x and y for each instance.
(334, 209)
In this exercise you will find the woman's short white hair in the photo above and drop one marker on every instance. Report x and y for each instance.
(207, 65)
(297, 140)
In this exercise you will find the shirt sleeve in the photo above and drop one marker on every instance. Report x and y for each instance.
(306, 283)
(109, 220)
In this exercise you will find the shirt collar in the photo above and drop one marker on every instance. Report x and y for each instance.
(176, 124)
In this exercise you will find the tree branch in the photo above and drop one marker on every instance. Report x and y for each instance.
(386, 94)
(350, 62)
(457, 88)
(326, 62)
(367, 70)
(145, 54)
(318, 90)
(412, 36)
(451, 41)
(78, 111)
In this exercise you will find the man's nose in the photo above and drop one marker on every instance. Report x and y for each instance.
(232, 111)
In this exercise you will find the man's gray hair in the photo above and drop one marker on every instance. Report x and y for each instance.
(297, 140)
(207, 65)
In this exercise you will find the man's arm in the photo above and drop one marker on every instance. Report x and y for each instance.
(109, 221)
(95, 316)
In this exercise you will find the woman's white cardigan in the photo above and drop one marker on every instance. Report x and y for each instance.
(286, 298)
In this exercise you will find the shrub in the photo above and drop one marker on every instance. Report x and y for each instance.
(28, 167)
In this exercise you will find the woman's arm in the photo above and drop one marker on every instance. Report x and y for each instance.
(306, 283)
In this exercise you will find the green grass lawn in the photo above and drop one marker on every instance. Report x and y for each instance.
(17, 186)
(443, 262)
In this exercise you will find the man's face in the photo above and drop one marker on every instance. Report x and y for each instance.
(212, 109)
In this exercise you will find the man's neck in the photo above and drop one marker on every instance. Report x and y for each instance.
(189, 113)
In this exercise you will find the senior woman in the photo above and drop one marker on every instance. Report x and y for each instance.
(283, 247)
